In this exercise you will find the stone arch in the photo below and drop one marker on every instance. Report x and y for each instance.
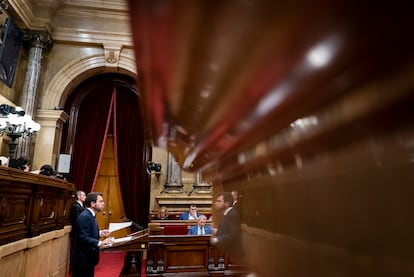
(56, 94)
(66, 79)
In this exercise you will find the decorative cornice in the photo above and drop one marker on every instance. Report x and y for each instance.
(70, 14)
(93, 37)
(22, 11)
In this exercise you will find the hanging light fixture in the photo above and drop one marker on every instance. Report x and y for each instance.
(4, 5)
(15, 123)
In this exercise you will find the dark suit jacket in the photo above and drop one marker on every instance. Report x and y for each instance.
(229, 234)
(74, 213)
(194, 230)
(85, 251)
(186, 215)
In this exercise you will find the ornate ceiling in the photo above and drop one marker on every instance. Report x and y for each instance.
(75, 21)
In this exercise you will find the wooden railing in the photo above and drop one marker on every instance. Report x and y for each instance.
(32, 204)
(175, 214)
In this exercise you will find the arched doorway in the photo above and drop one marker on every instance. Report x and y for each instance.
(105, 111)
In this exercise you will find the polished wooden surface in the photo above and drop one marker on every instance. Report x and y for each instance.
(219, 77)
(305, 108)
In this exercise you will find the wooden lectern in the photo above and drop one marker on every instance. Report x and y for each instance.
(136, 245)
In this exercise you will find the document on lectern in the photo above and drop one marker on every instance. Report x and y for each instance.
(118, 226)
(118, 240)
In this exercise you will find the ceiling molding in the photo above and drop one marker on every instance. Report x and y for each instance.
(52, 15)
(22, 14)
(92, 37)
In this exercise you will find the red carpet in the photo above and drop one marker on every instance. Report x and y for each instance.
(110, 264)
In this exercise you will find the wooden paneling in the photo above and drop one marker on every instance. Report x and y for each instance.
(31, 204)
(14, 211)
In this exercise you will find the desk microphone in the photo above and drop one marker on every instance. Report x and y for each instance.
(132, 222)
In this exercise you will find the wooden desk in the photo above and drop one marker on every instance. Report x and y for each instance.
(136, 248)
(168, 255)
(32, 204)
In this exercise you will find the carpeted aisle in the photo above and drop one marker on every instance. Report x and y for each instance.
(143, 268)
(110, 264)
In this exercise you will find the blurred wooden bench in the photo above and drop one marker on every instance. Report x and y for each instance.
(175, 215)
(168, 227)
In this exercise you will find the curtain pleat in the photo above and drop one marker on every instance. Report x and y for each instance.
(89, 137)
(129, 136)
(108, 122)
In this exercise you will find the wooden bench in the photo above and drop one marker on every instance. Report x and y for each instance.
(189, 256)
(175, 215)
(158, 227)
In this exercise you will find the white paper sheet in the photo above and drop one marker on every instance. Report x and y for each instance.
(118, 226)
(122, 239)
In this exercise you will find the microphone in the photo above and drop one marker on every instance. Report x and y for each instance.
(133, 223)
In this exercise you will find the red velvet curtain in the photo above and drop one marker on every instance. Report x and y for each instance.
(130, 152)
(95, 114)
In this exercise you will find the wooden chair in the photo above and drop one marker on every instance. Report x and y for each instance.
(176, 229)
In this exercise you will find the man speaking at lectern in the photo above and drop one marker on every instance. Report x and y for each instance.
(85, 253)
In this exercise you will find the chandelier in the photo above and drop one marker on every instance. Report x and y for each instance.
(15, 123)
(4, 5)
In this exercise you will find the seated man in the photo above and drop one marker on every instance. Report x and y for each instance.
(201, 228)
(192, 213)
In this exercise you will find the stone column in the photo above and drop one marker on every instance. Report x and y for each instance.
(174, 182)
(48, 139)
(39, 42)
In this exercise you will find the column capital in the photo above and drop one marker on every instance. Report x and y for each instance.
(51, 117)
(39, 39)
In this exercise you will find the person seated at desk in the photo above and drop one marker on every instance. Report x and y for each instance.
(46, 170)
(22, 163)
(201, 228)
(162, 214)
(192, 213)
(4, 161)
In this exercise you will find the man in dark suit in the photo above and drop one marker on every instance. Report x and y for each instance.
(201, 228)
(228, 234)
(192, 213)
(75, 211)
(85, 253)
(235, 195)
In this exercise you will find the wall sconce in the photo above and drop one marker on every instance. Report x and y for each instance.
(15, 123)
(153, 168)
